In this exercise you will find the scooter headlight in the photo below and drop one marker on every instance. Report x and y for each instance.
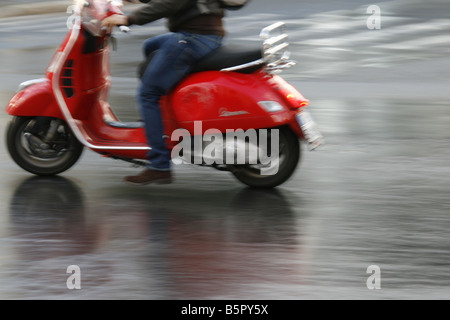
(270, 106)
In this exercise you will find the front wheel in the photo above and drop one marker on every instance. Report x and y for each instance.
(41, 145)
(283, 161)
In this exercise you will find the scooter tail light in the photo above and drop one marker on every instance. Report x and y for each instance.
(294, 98)
(297, 101)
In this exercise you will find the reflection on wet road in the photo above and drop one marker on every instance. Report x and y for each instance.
(144, 243)
(376, 194)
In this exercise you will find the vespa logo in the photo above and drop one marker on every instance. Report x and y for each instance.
(223, 112)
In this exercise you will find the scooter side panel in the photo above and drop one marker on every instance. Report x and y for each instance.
(36, 100)
(226, 100)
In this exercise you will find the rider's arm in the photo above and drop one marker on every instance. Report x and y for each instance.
(155, 10)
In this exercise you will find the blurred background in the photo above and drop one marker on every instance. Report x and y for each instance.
(375, 194)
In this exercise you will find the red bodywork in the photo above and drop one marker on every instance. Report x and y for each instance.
(79, 77)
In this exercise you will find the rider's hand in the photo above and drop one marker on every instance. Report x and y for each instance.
(113, 21)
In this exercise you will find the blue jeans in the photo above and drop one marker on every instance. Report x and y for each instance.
(173, 60)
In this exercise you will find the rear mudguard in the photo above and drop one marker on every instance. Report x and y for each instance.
(35, 100)
(228, 100)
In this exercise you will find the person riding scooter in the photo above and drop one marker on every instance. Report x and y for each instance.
(193, 35)
(232, 112)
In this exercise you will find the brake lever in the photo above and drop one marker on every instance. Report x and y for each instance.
(124, 29)
(113, 39)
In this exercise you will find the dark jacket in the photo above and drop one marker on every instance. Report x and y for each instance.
(182, 15)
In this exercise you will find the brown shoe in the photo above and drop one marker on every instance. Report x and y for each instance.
(150, 176)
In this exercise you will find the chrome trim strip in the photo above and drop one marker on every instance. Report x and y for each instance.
(29, 83)
(245, 65)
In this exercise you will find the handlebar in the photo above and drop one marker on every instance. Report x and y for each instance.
(91, 14)
(123, 29)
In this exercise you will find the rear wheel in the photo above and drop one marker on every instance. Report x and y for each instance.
(281, 167)
(43, 146)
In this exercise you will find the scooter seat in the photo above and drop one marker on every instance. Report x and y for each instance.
(229, 56)
(226, 56)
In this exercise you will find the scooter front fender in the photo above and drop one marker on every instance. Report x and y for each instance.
(36, 99)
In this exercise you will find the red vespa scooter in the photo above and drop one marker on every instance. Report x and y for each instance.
(234, 92)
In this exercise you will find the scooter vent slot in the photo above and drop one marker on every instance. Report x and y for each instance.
(67, 79)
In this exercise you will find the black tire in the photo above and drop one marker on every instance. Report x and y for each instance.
(289, 157)
(60, 154)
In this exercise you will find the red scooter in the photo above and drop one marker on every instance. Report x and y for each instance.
(235, 92)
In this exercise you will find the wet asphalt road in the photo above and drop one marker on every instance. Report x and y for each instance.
(375, 194)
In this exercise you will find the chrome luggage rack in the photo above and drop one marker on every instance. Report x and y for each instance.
(275, 48)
